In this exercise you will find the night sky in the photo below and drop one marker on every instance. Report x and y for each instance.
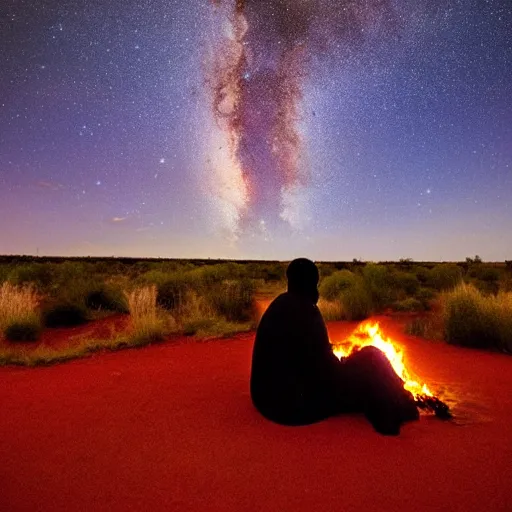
(256, 129)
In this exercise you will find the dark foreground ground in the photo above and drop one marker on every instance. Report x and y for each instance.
(171, 427)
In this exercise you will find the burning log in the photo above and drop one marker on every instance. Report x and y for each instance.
(435, 405)
(369, 334)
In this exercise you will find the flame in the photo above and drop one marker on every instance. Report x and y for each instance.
(369, 334)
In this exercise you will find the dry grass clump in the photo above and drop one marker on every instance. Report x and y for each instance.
(19, 318)
(147, 320)
(473, 319)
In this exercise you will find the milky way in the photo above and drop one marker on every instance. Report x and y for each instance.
(257, 80)
(170, 127)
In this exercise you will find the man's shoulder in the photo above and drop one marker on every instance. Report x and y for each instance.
(290, 303)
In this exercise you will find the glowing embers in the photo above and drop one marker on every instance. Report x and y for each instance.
(369, 334)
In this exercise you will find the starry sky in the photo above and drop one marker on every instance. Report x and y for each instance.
(249, 129)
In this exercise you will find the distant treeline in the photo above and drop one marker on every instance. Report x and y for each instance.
(338, 265)
(13, 259)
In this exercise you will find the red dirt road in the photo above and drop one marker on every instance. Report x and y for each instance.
(171, 427)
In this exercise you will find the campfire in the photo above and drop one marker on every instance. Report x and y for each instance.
(369, 334)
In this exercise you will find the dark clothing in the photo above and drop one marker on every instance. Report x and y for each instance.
(293, 366)
(296, 379)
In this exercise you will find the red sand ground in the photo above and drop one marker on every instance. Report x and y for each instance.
(171, 427)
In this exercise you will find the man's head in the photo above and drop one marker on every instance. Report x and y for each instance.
(302, 275)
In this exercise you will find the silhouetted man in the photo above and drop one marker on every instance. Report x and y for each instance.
(296, 379)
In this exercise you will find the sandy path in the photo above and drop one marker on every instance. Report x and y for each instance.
(171, 427)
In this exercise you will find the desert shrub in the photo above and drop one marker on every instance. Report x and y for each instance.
(422, 274)
(408, 304)
(476, 260)
(152, 276)
(487, 287)
(485, 273)
(380, 285)
(194, 307)
(212, 274)
(148, 324)
(28, 329)
(474, 320)
(234, 300)
(425, 296)
(217, 311)
(68, 273)
(356, 301)
(18, 304)
(171, 291)
(325, 270)
(65, 314)
(485, 278)
(36, 274)
(331, 310)
(406, 281)
(332, 286)
(74, 291)
(5, 270)
(445, 276)
(274, 271)
(102, 267)
(107, 298)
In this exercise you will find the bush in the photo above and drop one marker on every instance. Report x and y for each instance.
(474, 320)
(69, 272)
(213, 274)
(332, 286)
(356, 302)
(174, 288)
(408, 304)
(425, 296)
(274, 272)
(487, 287)
(24, 330)
(485, 273)
(37, 274)
(5, 271)
(325, 270)
(380, 285)
(422, 274)
(106, 298)
(406, 281)
(234, 300)
(445, 276)
(65, 314)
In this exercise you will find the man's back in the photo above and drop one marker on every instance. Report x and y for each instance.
(293, 364)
